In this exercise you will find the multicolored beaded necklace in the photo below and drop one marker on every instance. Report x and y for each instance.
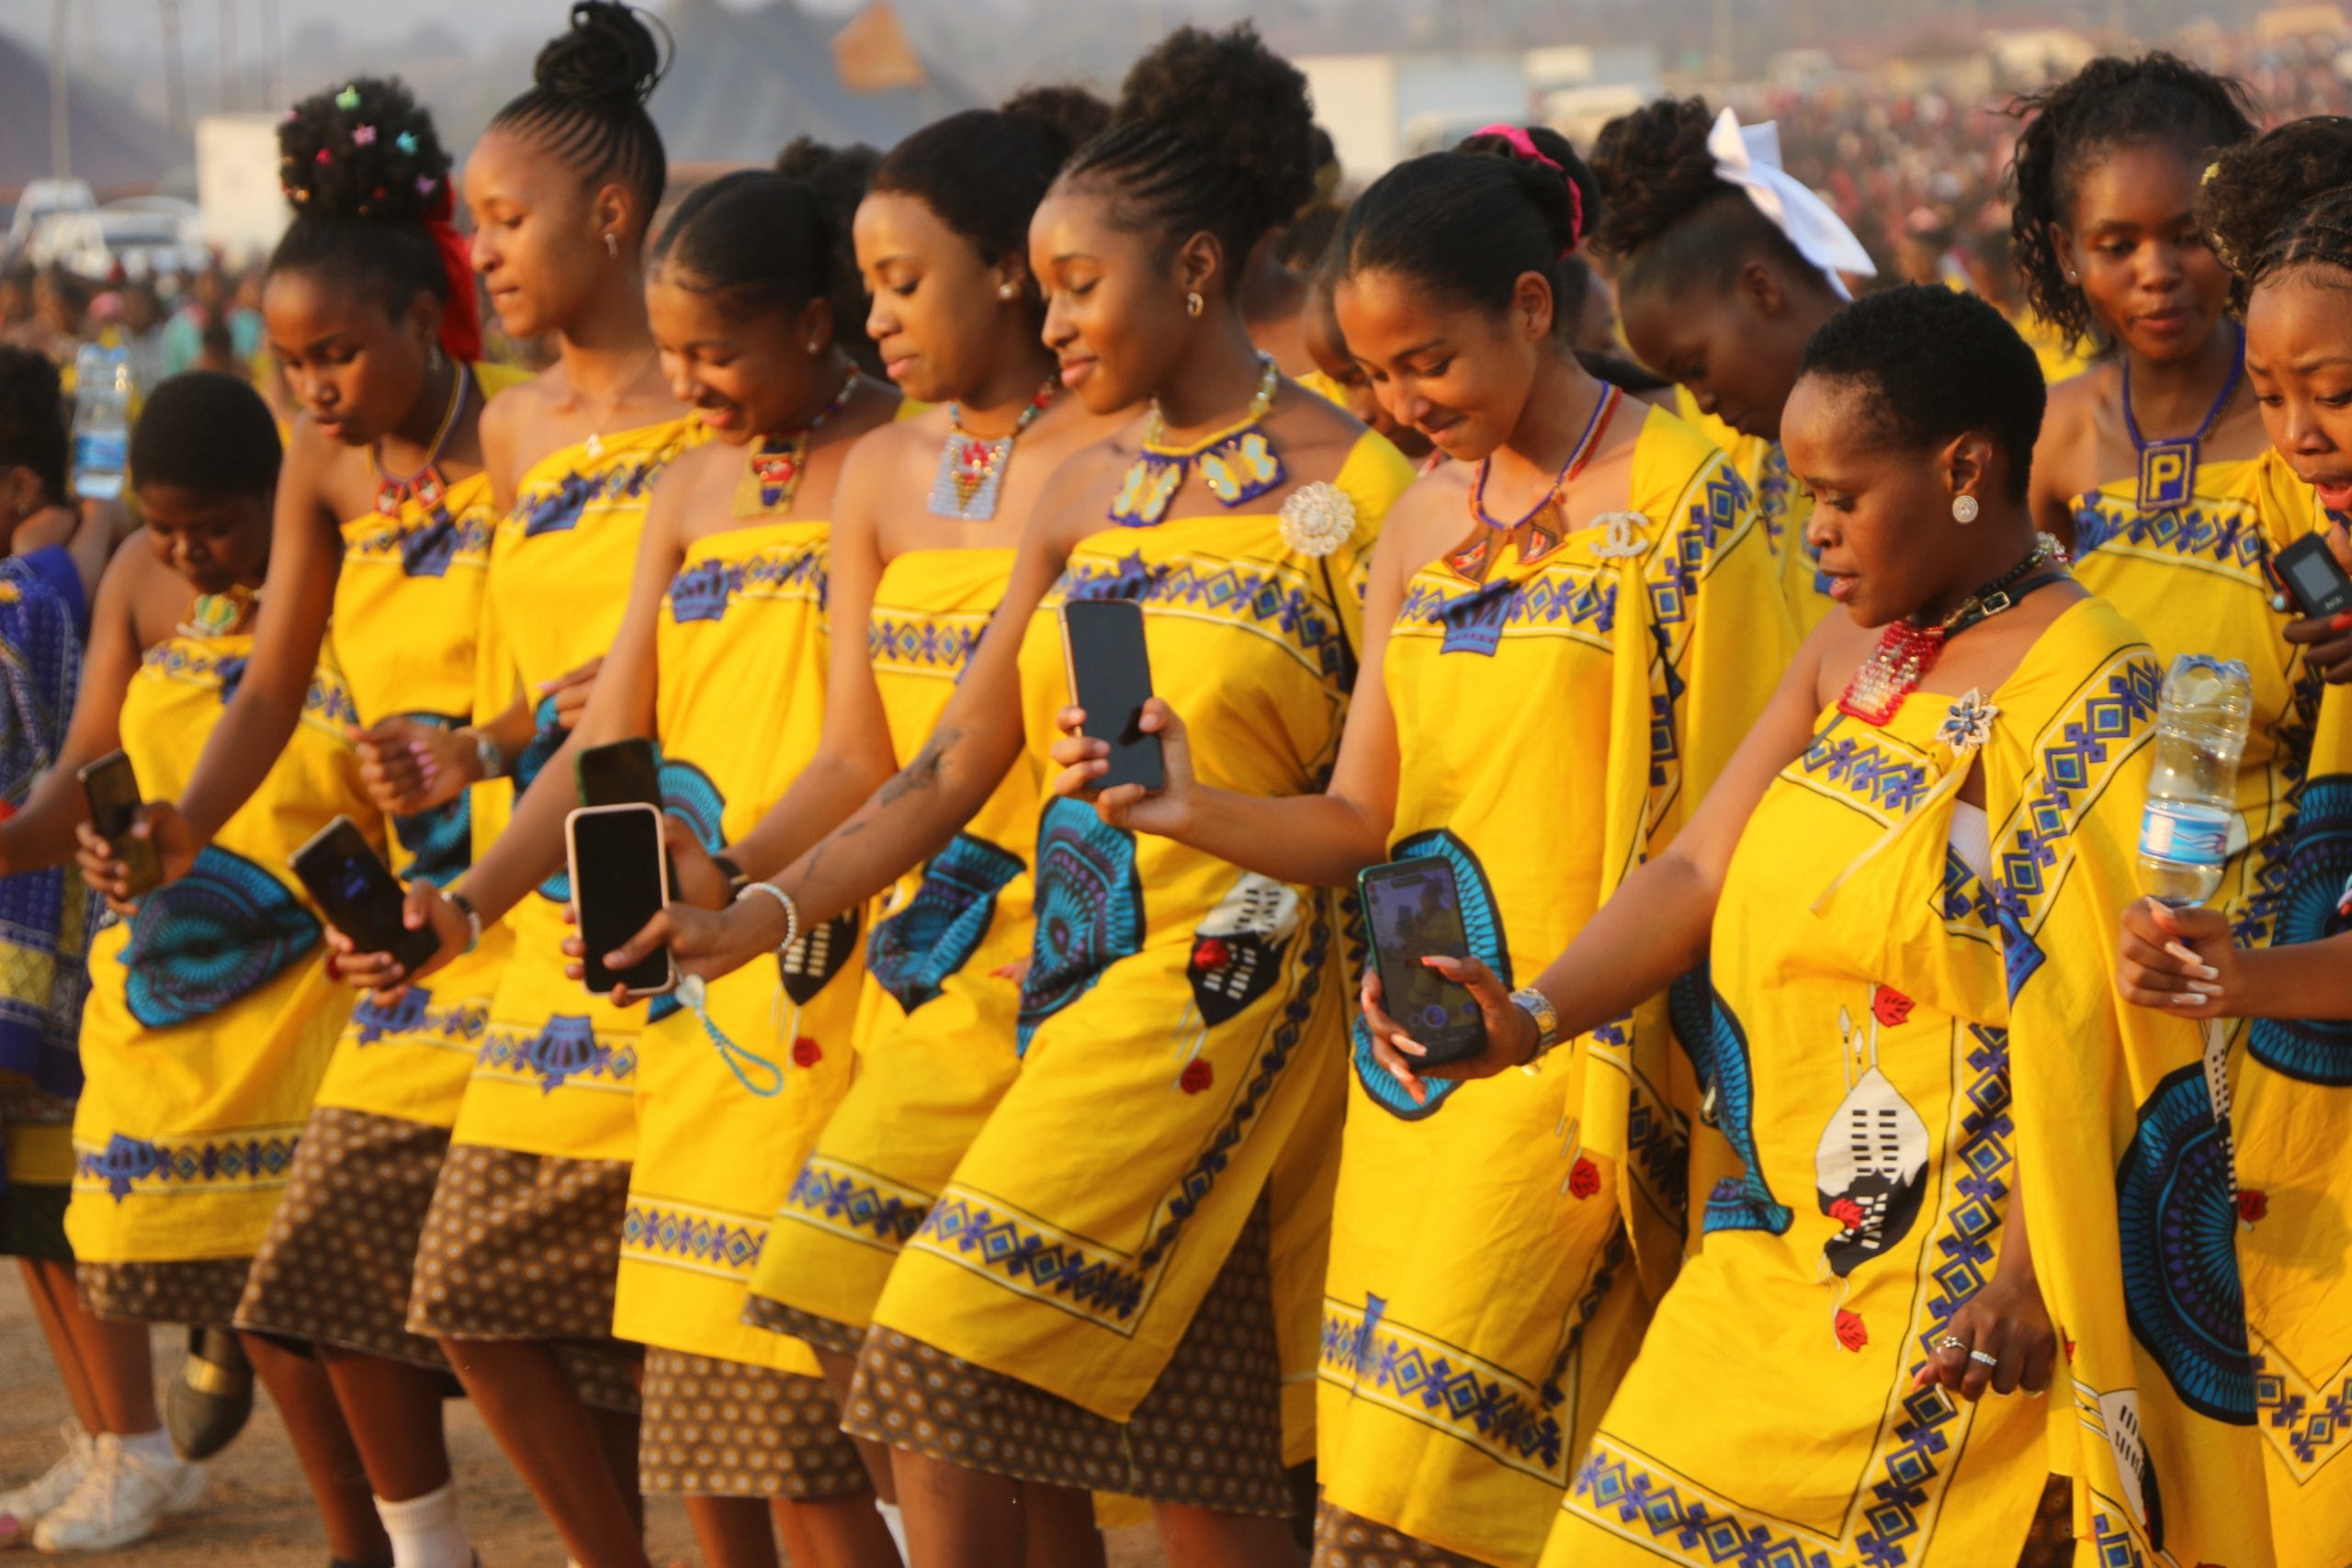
(2168, 467)
(1906, 651)
(1545, 525)
(425, 486)
(1238, 464)
(772, 476)
(971, 467)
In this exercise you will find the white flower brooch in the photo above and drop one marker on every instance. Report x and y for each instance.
(1317, 519)
(1968, 723)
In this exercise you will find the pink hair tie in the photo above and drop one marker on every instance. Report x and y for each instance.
(1522, 145)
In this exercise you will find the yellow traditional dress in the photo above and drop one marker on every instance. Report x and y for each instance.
(2293, 1115)
(937, 1046)
(210, 1016)
(1182, 1024)
(1908, 1023)
(1466, 1348)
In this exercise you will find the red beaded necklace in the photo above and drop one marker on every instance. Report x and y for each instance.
(1906, 650)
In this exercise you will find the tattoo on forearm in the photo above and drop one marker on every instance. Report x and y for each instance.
(922, 773)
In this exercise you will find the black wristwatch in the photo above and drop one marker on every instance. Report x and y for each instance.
(736, 879)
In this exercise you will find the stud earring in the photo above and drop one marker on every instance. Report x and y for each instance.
(432, 360)
(1194, 304)
(2072, 277)
(1007, 290)
(1963, 509)
(815, 348)
(612, 246)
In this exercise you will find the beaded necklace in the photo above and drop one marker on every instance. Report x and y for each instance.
(773, 477)
(425, 486)
(971, 467)
(1543, 525)
(1238, 464)
(1906, 651)
(2168, 467)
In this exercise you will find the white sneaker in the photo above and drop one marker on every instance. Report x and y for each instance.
(121, 1499)
(22, 1508)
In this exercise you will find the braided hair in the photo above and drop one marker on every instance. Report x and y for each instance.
(2109, 104)
(839, 177)
(586, 104)
(1471, 222)
(1213, 132)
(1668, 219)
(2283, 201)
(366, 173)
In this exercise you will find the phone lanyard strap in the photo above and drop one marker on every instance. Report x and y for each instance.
(692, 993)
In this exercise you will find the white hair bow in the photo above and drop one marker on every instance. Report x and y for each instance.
(1749, 157)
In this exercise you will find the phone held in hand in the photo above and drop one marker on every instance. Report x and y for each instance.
(1110, 677)
(1412, 910)
(621, 772)
(2307, 570)
(360, 895)
(112, 789)
(620, 879)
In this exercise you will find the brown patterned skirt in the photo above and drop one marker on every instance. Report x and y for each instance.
(1344, 1539)
(1208, 1435)
(195, 1293)
(336, 1265)
(528, 1246)
(716, 1428)
(824, 1332)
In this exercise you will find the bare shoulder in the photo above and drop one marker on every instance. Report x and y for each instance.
(1313, 435)
(1077, 499)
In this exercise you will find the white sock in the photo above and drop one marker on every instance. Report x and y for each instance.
(155, 1445)
(895, 1522)
(426, 1531)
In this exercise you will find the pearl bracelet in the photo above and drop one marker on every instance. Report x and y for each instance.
(791, 909)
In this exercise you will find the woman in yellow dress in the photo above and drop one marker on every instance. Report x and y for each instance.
(2279, 211)
(211, 1015)
(1910, 871)
(1724, 266)
(376, 335)
(1548, 688)
(1095, 1300)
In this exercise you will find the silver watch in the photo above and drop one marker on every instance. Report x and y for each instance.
(1538, 1006)
(489, 754)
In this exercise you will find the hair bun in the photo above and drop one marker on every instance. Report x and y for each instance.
(2256, 187)
(1066, 118)
(364, 149)
(1555, 180)
(609, 60)
(1239, 103)
(1652, 169)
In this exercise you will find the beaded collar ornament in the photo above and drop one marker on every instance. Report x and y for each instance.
(425, 486)
(1906, 651)
(1540, 531)
(2168, 467)
(971, 467)
(773, 477)
(1238, 464)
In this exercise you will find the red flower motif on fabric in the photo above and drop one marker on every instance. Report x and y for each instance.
(1851, 1333)
(807, 1053)
(1584, 1180)
(1211, 953)
(2252, 1204)
(1890, 1007)
(1197, 1076)
(1847, 1213)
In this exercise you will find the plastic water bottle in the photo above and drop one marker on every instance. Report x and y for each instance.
(102, 395)
(2186, 828)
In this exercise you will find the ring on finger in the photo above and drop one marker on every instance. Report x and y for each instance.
(1983, 1358)
(1951, 1342)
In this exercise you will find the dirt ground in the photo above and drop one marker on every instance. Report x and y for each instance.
(256, 1514)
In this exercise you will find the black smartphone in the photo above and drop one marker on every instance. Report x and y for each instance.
(112, 790)
(1110, 677)
(360, 895)
(1412, 909)
(620, 879)
(623, 772)
(2307, 570)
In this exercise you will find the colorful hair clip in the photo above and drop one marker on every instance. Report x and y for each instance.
(324, 156)
(363, 136)
(406, 142)
(348, 99)
(424, 183)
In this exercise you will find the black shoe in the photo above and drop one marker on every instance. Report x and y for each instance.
(209, 1402)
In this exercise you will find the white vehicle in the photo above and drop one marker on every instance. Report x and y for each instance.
(47, 199)
(147, 236)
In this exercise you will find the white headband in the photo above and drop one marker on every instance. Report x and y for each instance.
(1749, 157)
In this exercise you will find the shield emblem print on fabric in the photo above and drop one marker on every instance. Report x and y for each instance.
(1870, 1166)
(1237, 951)
(2119, 1411)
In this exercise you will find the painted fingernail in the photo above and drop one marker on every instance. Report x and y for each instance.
(2206, 972)
(2202, 989)
(2340, 622)
(2186, 999)
(2185, 954)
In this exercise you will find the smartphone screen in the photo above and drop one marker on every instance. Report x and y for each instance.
(359, 894)
(618, 883)
(1110, 677)
(624, 773)
(111, 787)
(2311, 574)
(1414, 910)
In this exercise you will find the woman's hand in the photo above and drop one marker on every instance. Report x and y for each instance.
(1166, 812)
(706, 944)
(1999, 1339)
(571, 690)
(1510, 1033)
(158, 823)
(2327, 642)
(2180, 961)
(384, 977)
(409, 766)
(695, 877)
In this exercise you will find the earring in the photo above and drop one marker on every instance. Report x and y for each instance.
(1194, 304)
(432, 360)
(612, 246)
(815, 348)
(1007, 290)
(2072, 277)
(1963, 509)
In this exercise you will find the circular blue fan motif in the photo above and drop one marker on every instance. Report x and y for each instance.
(1482, 922)
(1089, 909)
(1727, 1089)
(2318, 873)
(912, 954)
(2177, 1208)
(688, 794)
(216, 936)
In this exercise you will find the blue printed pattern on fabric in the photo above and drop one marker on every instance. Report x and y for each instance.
(704, 590)
(45, 916)
(439, 842)
(216, 936)
(1727, 1083)
(2225, 537)
(124, 1165)
(913, 953)
(558, 508)
(1089, 909)
(1265, 596)
(2316, 873)
(547, 736)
